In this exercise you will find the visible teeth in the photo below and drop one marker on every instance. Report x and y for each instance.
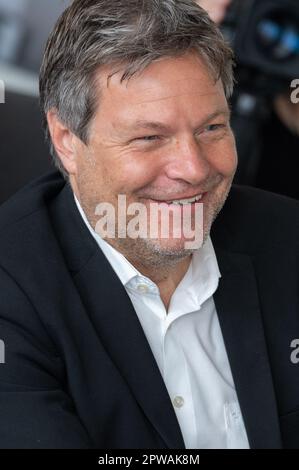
(186, 201)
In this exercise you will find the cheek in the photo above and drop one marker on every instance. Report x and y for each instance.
(134, 171)
(223, 158)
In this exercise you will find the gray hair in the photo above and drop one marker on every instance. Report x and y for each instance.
(129, 34)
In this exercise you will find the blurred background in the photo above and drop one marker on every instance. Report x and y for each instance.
(265, 37)
(24, 28)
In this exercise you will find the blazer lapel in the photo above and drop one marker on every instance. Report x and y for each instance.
(237, 305)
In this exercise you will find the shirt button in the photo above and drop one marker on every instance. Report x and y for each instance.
(142, 288)
(178, 402)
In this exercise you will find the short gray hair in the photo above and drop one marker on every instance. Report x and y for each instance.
(129, 34)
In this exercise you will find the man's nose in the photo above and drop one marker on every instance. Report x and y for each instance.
(188, 161)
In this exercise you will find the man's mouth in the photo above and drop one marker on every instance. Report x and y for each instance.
(182, 202)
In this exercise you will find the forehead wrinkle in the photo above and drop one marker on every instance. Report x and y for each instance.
(185, 80)
(175, 96)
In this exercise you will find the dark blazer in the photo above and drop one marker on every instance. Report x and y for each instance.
(79, 372)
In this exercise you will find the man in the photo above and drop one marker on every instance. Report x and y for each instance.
(143, 342)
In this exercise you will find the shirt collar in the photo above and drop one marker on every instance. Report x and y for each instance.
(123, 268)
(199, 283)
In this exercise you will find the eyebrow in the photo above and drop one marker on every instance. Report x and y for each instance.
(160, 126)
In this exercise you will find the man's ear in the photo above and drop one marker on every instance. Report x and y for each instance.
(64, 142)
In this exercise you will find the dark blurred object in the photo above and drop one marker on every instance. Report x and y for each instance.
(24, 153)
(265, 37)
(278, 170)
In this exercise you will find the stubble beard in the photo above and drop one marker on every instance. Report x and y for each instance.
(151, 253)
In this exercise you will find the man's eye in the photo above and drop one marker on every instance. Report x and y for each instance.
(214, 127)
(148, 138)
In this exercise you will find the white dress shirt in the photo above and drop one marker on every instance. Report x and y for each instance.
(188, 347)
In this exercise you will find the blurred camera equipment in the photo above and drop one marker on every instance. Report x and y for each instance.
(265, 37)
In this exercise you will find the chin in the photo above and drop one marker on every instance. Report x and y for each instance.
(175, 248)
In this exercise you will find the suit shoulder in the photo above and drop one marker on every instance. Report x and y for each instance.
(29, 200)
(24, 216)
(259, 219)
(258, 202)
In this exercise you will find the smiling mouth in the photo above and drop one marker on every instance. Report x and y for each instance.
(182, 202)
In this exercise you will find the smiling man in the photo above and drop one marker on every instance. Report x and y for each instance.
(145, 342)
(162, 136)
